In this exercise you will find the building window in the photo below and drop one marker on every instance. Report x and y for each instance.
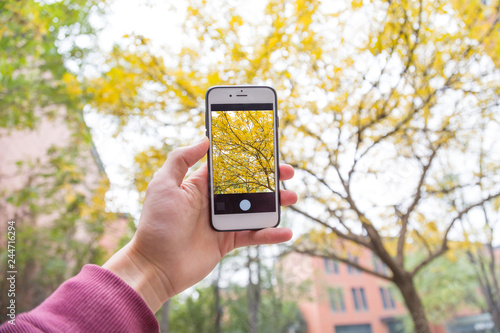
(366, 328)
(387, 298)
(331, 266)
(353, 270)
(378, 265)
(359, 298)
(336, 300)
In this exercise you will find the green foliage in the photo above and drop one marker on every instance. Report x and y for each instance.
(448, 287)
(275, 315)
(37, 40)
(59, 220)
(59, 208)
(194, 313)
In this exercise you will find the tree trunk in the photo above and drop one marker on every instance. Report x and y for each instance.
(492, 293)
(218, 307)
(495, 315)
(253, 291)
(413, 302)
(165, 317)
(493, 305)
(485, 267)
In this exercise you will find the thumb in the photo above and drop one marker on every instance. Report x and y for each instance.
(181, 159)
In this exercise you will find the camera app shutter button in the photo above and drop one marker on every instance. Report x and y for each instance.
(245, 205)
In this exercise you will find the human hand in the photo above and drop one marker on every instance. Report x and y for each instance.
(174, 246)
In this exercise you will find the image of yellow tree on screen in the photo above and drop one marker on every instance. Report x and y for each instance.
(243, 146)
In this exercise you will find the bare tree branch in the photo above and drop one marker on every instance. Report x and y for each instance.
(406, 216)
(346, 261)
(451, 189)
(339, 218)
(424, 241)
(349, 236)
(444, 245)
(318, 178)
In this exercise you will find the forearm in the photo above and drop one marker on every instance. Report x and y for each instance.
(140, 275)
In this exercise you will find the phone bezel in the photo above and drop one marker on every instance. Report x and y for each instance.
(255, 94)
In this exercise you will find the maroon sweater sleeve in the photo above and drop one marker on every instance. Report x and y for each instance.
(95, 300)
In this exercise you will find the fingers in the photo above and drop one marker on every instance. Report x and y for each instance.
(181, 159)
(288, 197)
(264, 236)
(286, 172)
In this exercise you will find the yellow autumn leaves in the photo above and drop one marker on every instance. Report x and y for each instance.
(243, 159)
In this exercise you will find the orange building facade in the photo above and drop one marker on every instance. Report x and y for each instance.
(342, 299)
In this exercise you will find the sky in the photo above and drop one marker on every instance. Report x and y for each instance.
(158, 20)
(161, 22)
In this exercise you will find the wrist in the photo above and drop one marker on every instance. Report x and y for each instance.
(140, 274)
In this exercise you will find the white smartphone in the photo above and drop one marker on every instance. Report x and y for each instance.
(243, 168)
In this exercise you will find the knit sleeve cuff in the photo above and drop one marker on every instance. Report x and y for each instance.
(95, 300)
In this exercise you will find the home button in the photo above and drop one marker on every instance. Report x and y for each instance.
(245, 205)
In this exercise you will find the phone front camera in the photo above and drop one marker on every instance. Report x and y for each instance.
(230, 95)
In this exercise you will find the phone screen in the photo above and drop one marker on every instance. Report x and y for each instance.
(243, 161)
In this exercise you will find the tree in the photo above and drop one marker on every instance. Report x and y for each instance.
(197, 310)
(57, 203)
(486, 269)
(479, 229)
(266, 303)
(194, 313)
(165, 317)
(34, 71)
(254, 289)
(447, 286)
(381, 101)
(482, 254)
(243, 154)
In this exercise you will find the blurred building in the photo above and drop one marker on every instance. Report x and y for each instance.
(23, 153)
(25, 171)
(342, 299)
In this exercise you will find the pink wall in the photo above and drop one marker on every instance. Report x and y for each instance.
(30, 146)
(315, 306)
